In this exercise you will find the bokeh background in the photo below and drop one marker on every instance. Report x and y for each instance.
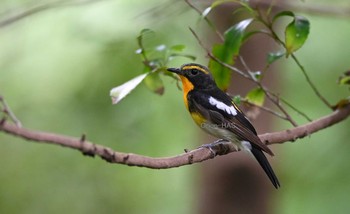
(57, 67)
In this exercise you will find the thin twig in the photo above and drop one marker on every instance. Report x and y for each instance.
(312, 85)
(7, 110)
(9, 19)
(213, 57)
(270, 95)
(266, 109)
(275, 100)
(221, 37)
(295, 109)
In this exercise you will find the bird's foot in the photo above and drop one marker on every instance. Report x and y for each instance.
(217, 147)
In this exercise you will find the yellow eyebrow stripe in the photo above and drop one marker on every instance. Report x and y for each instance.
(189, 67)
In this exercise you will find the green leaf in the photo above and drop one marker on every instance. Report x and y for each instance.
(273, 56)
(296, 34)
(143, 33)
(160, 48)
(191, 57)
(256, 96)
(178, 48)
(244, 6)
(344, 79)
(154, 83)
(220, 73)
(256, 74)
(281, 14)
(207, 10)
(237, 99)
(140, 39)
(234, 36)
(226, 52)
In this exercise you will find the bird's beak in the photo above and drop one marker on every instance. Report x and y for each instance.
(174, 70)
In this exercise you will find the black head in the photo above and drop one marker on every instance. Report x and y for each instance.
(198, 75)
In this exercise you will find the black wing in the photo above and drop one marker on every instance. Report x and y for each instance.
(239, 125)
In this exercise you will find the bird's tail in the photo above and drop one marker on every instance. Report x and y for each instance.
(264, 163)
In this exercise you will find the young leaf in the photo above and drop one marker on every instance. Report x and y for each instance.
(344, 79)
(154, 83)
(226, 52)
(140, 40)
(220, 73)
(217, 3)
(256, 96)
(296, 34)
(178, 48)
(281, 14)
(191, 57)
(237, 99)
(119, 92)
(256, 74)
(206, 11)
(272, 57)
(234, 35)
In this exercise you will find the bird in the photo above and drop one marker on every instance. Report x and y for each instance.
(215, 113)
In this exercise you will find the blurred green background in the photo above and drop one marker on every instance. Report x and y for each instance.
(56, 70)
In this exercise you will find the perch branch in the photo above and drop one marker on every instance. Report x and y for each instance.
(190, 157)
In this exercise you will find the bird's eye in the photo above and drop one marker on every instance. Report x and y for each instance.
(194, 72)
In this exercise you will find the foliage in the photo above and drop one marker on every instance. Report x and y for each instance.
(227, 52)
(154, 57)
(223, 57)
(62, 71)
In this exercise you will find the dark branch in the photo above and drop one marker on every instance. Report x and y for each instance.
(194, 156)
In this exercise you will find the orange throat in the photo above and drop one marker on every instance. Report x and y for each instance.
(187, 87)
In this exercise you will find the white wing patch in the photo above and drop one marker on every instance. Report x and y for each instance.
(220, 105)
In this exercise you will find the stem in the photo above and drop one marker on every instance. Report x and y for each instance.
(296, 110)
(248, 76)
(312, 85)
(7, 110)
(221, 37)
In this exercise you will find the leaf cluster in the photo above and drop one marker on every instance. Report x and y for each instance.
(224, 55)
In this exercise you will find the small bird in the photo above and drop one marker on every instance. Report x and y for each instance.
(214, 112)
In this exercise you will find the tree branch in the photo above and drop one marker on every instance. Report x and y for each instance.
(39, 8)
(194, 156)
(7, 110)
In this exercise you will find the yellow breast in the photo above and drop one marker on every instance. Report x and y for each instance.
(198, 119)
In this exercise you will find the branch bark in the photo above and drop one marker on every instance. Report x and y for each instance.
(187, 158)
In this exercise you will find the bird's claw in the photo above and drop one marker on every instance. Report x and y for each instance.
(211, 146)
